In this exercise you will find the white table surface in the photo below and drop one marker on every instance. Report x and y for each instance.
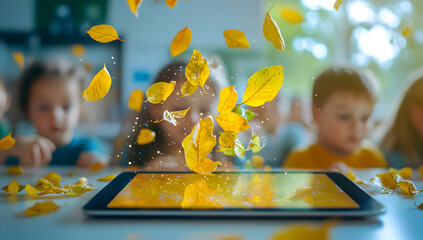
(402, 220)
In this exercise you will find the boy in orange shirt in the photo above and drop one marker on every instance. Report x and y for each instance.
(343, 100)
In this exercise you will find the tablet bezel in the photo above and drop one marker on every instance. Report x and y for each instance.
(97, 206)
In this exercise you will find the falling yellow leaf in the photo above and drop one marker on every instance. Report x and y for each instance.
(337, 4)
(96, 167)
(254, 143)
(7, 142)
(421, 171)
(181, 41)
(303, 231)
(291, 15)
(135, 100)
(134, 5)
(107, 178)
(31, 191)
(145, 136)
(15, 170)
(227, 100)
(54, 178)
(171, 3)
(172, 116)
(406, 32)
(77, 189)
(42, 208)
(408, 187)
(103, 33)
(99, 86)
(272, 33)
(188, 88)
(198, 144)
(230, 144)
(232, 122)
(19, 59)
(236, 39)
(406, 172)
(263, 86)
(199, 195)
(160, 91)
(78, 50)
(197, 70)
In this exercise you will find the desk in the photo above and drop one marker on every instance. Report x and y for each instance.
(402, 220)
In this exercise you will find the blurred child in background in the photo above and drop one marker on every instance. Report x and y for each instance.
(4, 106)
(50, 97)
(403, 140)
(343, 100)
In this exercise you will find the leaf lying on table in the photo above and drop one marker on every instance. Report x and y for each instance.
(408, 187)
(107, 178)
(31, 191)
(13, 187)
(41, 208)
(386, 181)
(54, 178)
(81, 180)
(15, 170)
(354, 178)
(420, 206)
(7, 142)
(303, 231)
(76, 190)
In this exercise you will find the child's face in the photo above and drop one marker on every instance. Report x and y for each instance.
(54, 107)
(343, 121)
(417, 117)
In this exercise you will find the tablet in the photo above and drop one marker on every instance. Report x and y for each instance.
(232, 194)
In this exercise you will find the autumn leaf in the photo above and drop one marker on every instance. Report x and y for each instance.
(134, 5)
(303, 231)
(7, 142)
(236, 39)
(172, 116)
(199, 195)
(421, 171)
(420, 206)
(96, 167)
(291, 15)
(78, 50)
(135, 100)
(263, 86)
(41, 208)
(406, 172)
(145, 136)
(247, 113)
(227, 100)
(15, 170)
(272, 33)
(103, 33)
(232, 122)
(188, 88)
(198, 144)
(230, 144)
(197, 70)
(254, 143)
(54, 178)
(257, 161)
(171, 4)
(43, 184)
(107, 178)
(387, 181)
(160, 91)
(81, 181)
(337, 4)
(181, 41)
(99, 86)
(31, 191)
(77, 189)
(13, 187)
(19, 59)
(354, 178)
(408, 187)
(406, 32)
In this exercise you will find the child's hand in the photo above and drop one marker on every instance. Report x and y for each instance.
(87, 159)
(34, 151)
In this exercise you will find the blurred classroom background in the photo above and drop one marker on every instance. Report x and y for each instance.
(384, 36)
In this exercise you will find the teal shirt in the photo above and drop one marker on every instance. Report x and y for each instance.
(4, 129)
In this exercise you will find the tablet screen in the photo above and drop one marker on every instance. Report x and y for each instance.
(232, 190)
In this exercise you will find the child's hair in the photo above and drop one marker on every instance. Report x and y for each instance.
(343, 79)
(402, 136)
(59, 68)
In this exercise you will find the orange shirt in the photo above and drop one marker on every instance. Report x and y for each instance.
(318, 157)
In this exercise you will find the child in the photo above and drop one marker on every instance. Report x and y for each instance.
(403, 141)
(4, 106)
(50, 97)
(166, 152)
(343, 100)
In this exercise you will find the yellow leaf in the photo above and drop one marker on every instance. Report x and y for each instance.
(99, 86)
(160, 91)
(406, 172)
(387, 181)
(145, 136)
(7, 142)
(107, 178)
(15, 170)
(254, 143)
(198, 144)
(227, 100)
(103, 33)
(96, 167)
(199, 195)
(171, 3)
(43, 184)
(421, 171)
(291, 15)
(31, 191)
(263, 86)
(42, 208)
(420, 206)
(134, 5)
(13, 187)
(135, 100)
(406, 32)
(19, 59)
(20, 187)
(257, 161)
(236, 39)
(78, 50)
(272, 33)
(188, 88)
(172, 116)
(197, 70)
(81, 181)
(302, 231)
(354, 178)
(77, 189)
(408, 187)
(54, 178)
(337, 4)
(232, 122)
(230, 144)
(181, 41)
